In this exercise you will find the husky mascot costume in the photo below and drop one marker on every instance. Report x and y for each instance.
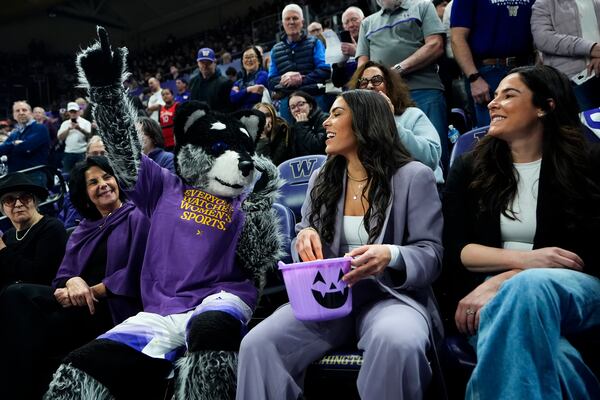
(211, 241)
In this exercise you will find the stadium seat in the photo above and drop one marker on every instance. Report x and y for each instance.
(458, 117)
(591, 122)
(274, 293)
(466, 142)
(297, 172)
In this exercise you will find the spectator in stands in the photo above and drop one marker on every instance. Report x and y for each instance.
(307, 131)
(97, 285)
(409, 37)
(248, 90)
(416, 132)
(75, 132)
(440, 7)
(521, 222)
(32, 250)
(167, 118)
(231, 74)
(275, 140)
(368, 180)
(95, 147)
(210, 86)
(315, 29)
(153, 143)
(4, 130)
(175, 75)
(155, 101)
(39, 114)
(568, 35)
(183, 94)
(341, 72)
(484, 55)
(27, 145)
(297, 61)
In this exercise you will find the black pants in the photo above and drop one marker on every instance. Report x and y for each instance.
(36, 333)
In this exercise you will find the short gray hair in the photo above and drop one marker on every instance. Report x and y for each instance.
(292, 7)
(353, 9)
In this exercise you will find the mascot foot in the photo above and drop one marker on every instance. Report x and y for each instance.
(206, 375)
(70, 383)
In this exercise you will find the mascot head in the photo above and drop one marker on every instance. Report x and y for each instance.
(214, 152)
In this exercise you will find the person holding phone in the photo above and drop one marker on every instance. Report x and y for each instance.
(75, 132)
(351, 19)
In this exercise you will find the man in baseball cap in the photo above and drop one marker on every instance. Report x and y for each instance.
(209, 85)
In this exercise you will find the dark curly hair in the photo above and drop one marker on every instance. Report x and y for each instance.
(380, 152)
(396, 89)
(563, 148)
(78, 186)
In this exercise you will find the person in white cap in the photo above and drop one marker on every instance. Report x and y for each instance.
(75, 132)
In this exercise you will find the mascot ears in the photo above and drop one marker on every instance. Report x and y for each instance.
(253, 120)
(196, 112)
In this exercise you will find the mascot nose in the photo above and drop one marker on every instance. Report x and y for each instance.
(246, 166)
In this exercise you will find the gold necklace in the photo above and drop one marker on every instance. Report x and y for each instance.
(108, 215)
(26, 232)
(359, 191)
(354, 179)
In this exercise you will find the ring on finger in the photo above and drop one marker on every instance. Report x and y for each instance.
(470, 311)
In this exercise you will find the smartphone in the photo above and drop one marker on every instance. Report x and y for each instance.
(582, 77)
(345, 37)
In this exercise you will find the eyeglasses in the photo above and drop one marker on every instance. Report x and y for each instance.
(375, 81)
(297, 105)
(10, 200)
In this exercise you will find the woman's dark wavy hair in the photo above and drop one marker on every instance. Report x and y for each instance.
(380, 152)
(396, 89)
(78, 186)
(563, 148)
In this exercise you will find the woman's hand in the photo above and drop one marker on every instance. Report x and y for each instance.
(2, 244)
(62, 296)
(469, 308)
(258, 89)
(550, 257)
(80, 294)
(301, 117)
(308, 245)
(368, 260)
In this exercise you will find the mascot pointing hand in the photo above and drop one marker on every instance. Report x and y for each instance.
(213, 235)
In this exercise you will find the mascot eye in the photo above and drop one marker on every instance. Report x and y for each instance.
(219, 147)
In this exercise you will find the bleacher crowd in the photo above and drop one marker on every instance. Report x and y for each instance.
(494, 245)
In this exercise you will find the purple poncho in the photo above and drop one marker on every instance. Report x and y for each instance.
(126, 229)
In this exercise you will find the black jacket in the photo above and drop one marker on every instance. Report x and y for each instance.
(309, 136)
(213, 91)
(462, 226)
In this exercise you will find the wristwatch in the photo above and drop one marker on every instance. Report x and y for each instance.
(473, 77)
(399, 69)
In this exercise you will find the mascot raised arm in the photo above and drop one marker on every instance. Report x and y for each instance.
(213, 235)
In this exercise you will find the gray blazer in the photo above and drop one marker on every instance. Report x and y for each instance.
(414, 223)
(557, 34)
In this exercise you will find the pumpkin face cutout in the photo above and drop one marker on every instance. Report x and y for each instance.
(328, 289)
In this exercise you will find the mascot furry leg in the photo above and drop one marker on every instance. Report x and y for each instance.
(104, 369)
(208, 371)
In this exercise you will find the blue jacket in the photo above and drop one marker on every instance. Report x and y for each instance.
(31, 152)
(306, 56)
(242, 99)
(163, 158)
